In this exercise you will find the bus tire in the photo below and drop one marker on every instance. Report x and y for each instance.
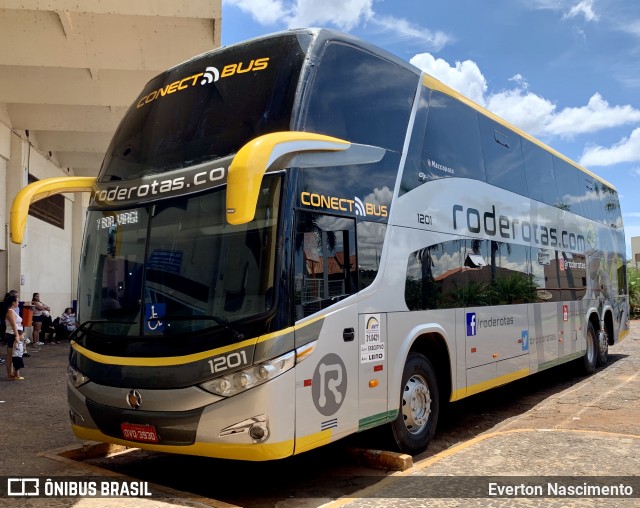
(590, 358)
(603, 348)
(416, 423)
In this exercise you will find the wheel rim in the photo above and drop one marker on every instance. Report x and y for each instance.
(416, 404)
(591, 348)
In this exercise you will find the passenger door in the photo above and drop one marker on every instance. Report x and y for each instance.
(326, 382)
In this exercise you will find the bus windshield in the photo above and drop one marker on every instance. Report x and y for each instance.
(177, 266)
(201, 111)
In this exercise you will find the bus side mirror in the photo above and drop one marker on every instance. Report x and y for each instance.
(39, 190)
(256, 157)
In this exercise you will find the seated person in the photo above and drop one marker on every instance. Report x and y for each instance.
(66, 324)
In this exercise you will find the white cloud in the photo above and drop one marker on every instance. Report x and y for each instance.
(583, 8)
(265, 12)
(626, 150)
(543, 4)
(525, 109)
(342, 14)
(404, 29)
(572, 9)
(631, 27)
(595, 116)
(465, 77)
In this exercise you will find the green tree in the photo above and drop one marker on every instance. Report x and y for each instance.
(634, 291)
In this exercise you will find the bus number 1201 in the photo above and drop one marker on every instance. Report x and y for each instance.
(229, 361)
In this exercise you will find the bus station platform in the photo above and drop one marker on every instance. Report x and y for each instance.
(587, 430)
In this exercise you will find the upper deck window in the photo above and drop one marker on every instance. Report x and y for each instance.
(568, 180)
(541, 181)
(502, 156)
(361, 98)
(448, 146)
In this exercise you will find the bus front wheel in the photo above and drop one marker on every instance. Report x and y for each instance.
(419, 406)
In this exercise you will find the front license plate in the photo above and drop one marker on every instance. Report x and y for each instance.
(137, 432)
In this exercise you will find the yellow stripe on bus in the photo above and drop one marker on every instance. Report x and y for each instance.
(487, 385)
(181, 360)
(157, 362)
(306, 443)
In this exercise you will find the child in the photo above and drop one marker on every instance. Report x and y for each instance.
(16, 359)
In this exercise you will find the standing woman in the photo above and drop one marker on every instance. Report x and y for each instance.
(40, 315)
(13, 322)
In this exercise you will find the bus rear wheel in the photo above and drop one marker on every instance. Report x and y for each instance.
(590, 358)
(603, 348)
(416, 423)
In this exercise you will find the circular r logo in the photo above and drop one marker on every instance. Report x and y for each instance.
(329, 385)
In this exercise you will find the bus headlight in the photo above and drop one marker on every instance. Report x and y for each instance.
(76, 377)
(236, 382)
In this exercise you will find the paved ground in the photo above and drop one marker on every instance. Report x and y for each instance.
(587, 428)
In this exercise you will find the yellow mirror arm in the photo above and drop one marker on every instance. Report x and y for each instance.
(40, 190)
(254, 159)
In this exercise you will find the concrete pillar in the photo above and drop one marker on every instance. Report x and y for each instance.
(5, 155)
(15, 179)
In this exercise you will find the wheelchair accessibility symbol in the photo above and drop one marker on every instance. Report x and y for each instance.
(154, 314)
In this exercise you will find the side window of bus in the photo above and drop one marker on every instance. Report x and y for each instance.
(546, 274)
(497, 273)
(591, 203)
(572, 271)
(469, 273)
(326, 266)
(538, 165)
(610, 207)
(619, 259)
(561, 276)
(452, 146)
(361, 98)
(502, 156)
(570, 194)
(434, 277)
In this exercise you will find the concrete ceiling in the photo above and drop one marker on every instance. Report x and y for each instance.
(69, 69)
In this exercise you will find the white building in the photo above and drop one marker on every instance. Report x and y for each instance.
(68, 72)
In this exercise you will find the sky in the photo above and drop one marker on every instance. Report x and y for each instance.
(564, 71)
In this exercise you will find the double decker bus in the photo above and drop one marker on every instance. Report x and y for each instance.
(302, 237)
